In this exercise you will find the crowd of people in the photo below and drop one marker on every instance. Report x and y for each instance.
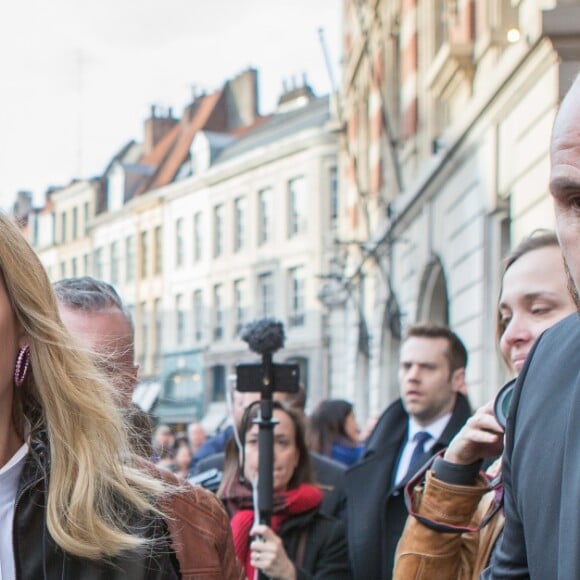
(90, 488)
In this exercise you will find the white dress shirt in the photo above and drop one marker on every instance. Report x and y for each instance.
(435, 429)
(9, 478)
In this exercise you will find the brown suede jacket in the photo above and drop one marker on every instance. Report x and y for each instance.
(424, 553)
(200, 533)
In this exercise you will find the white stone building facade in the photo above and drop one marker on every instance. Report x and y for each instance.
(459, 99)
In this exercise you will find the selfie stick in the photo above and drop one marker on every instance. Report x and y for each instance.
(265, 337)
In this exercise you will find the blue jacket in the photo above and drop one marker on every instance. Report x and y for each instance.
(213, 445)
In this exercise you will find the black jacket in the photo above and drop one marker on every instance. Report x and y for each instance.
(37, 556)
(325, 554)
(328, 474)
(541, 465)
(376, 511)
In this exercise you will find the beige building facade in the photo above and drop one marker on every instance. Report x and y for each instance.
(243, 230)
(248, 237)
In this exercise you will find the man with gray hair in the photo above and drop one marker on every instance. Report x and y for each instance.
(94, 313)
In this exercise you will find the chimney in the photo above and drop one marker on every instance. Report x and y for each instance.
(157, 126)
(295, 95)
(242, 99)
(22, 206)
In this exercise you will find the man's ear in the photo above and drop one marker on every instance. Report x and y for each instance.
(458, 380)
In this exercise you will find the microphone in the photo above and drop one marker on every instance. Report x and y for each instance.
(264, 336)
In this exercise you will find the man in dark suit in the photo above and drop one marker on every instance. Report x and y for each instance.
(429, 413)
(541, 466)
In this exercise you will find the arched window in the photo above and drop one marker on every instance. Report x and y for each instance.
(433, 299)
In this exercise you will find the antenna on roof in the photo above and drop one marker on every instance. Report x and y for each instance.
(329, 70)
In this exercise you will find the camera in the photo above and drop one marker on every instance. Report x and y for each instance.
(501, 404)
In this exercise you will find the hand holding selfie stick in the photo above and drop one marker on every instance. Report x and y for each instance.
(265, 337)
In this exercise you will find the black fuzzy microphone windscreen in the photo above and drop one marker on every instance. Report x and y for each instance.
(264, 336)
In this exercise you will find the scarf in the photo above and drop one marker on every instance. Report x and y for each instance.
(293, 502)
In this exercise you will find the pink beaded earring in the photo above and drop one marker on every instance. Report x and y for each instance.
(22, 366)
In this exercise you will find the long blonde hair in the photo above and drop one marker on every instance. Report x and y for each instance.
(91, 471)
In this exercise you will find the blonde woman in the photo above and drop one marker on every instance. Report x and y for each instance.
(74, 502)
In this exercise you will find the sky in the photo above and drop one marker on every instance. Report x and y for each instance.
(78, 77)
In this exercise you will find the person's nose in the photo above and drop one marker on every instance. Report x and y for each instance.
(517, 330)
(413, 373)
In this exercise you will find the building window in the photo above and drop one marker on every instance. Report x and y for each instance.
(158, 313)
(115, 263)
(86, 264)
(297, 302)
(179, 320)
(144, 332)
(218, 230)
(218, 312)
(158, 268)
(197, 237)
(63, 269)
(198, 315)
(74, 268)
(99, 269)
(144, 254)
(218, 383)
(130, 259)
(333, 192)
(240, 224)
(240, 305)
(63, 227)
(182, 386)
(297, 206)
(266, 294)
(264, 216)
(441, 22)
(53, 239)
(179, 243)
(75, 223)
(86, 217)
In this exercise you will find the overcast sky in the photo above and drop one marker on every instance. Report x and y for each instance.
(77, 78)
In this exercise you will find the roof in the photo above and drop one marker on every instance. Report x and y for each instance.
(278, 126)
(171, 151)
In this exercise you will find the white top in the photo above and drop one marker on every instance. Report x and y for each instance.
(9, 478)
(435, 429)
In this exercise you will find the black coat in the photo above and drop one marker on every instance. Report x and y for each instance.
(37, 557)
(328, 474)
(376, 511)
(325, 553)
(541, 466)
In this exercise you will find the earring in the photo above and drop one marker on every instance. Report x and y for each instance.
(22, 366)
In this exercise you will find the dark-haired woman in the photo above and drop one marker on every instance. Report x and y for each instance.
(333, 431)
(301, 542)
